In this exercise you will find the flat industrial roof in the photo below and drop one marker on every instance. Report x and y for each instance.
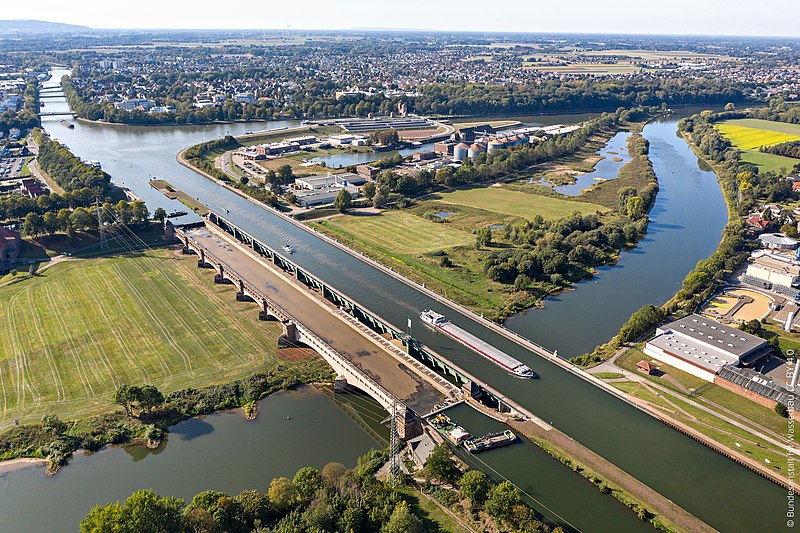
(711, 359)
(773, 264)
(708, 332)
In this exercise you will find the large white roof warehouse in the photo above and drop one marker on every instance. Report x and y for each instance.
(701, 346)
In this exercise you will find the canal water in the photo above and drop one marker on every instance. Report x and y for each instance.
(221, 452)
(687, 221)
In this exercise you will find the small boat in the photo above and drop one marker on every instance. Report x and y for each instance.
(288, 248)
(449, 429)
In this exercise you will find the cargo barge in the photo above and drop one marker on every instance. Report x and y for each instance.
(439, 323)
(492, 440)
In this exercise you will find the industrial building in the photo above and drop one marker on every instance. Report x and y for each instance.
(777, 241)
(368, 172)
(346, 180)
(322, 190)
(702, 347)
(778, 272)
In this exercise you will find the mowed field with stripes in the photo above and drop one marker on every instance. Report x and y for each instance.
(752, 134)
(81, 328)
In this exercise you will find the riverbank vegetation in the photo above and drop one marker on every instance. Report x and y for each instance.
(744, 186)
(502, 248)
(336, 499)
(83, 328)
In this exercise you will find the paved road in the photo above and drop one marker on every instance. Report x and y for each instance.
(315, 313)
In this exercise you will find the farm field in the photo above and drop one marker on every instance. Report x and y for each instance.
(400, 231)
(81, 328)
(515, 203)
(751, 134)
(769, 162)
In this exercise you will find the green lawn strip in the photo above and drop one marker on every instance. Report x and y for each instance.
(434, 518)
(747, 409)
(769, 162)
(609, 375)
(81, 328)
(777, 460)
(640, 391)
(462, 285)
(750, 410)
(25, 170)
(629, 359)
(401, 231)
(516, 203)
(707, 424)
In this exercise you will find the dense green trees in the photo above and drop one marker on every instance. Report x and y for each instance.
(144, 510)
(316, 98)
(69, 171)
(352, 500)
(144, 398)
(474, 486)
(343, 201)
(440, 465)
(640, 322)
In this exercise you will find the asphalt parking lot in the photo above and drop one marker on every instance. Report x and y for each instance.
(11, 167)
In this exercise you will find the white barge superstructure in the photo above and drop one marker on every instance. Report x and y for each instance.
(440, 323)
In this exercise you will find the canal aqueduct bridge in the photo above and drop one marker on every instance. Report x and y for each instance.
(416, 358)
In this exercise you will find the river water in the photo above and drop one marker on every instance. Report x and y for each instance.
(220, 452)
(687, 220)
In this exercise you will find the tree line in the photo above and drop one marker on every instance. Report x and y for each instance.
(333, 499)
(391, 187)
(744, 187)
(68, 170)
(316, 97)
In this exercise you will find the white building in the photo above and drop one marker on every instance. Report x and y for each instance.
(133, 103)
(777, 241)
(772, 268)
(701, 346)
(245, 98)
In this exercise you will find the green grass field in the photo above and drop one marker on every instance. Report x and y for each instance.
(750, 134)
(400, 231)
(516, 203)
(81, 328)
(769, 162)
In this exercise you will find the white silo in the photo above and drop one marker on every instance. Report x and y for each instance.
(460, 152)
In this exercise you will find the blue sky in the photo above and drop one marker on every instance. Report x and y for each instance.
(713, 17)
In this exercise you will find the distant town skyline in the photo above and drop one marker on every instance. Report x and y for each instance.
(683, 17)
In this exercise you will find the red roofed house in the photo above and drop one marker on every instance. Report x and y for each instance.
(645, 368)
(758, 223)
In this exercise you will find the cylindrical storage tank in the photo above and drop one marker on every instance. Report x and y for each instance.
(460, 152)
(475, 149)
(493, 145)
